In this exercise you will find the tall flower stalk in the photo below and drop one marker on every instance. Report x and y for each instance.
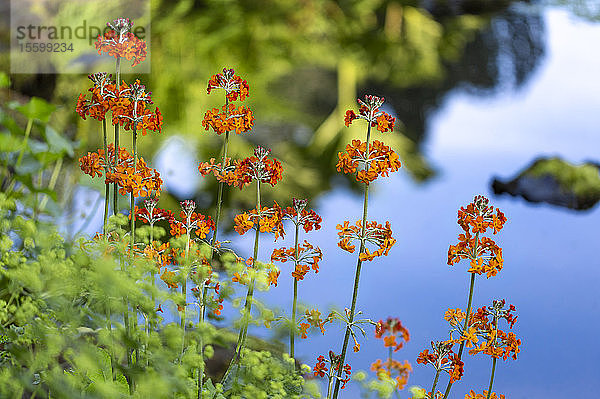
(484, 255)
(261, 169)
(235, 88)
(374, 160)
(304, 256)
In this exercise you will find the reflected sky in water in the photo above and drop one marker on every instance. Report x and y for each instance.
(551, 271)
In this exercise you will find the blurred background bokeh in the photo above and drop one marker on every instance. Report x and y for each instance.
(493, 97)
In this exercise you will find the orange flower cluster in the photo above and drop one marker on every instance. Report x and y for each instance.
(374, 233)
(484, 254)
(369, 111)
(298, 214)
(334, 360)
(258, 167)
(443, 359)
(313, 319)
(495, 342)
(159, 252)
(427, 395)
(141, 179)
(268, 220)
(479, 216)
(223, 173)
(151, 214)
(389, 331)
(484, 395)
(269, 270)
(308, 257)
(242, 173)
(393, 367)
(235, 87)
(379, 161)
(121, 42)
(191, 221)
(229, 118)
(128, 104)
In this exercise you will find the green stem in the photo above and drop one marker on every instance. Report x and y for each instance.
(435, 381)
(466, 325)
(356, 278)
(248, 304)
(52, 183)
(106, 185)
(116, 185)
(495, 323)
(295, 299)
(184, 285)
(212, 246)
(132, 256)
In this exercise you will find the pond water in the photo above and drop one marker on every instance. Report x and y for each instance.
(551, 271)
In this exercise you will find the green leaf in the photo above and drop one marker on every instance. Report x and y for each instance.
(37, 108)
(10, 124)
(4, 80)
(10, 143)
(58, 143)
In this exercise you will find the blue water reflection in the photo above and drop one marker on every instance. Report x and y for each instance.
(551, 270)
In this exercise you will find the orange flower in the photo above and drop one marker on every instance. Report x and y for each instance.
(379, 161)
(273, 276)
(369, 111)
(234, 86)
(308, 256)
(484, 255)
(298, 214)
(374, 233)
(390, 330)
(121, 42)
(229, 119)
(493, 395)
(191, 221)
(267, 220)
(169, 278)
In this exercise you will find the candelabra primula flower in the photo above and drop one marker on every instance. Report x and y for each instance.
(374, 233)
(102, 98)
(131, 111)
(267, 220)
(391, 368)
(141, 181)
(369, 111)
(151, 214)
(390, 330)
(442, 358)
(300, 216)
(380, 160)
(223, 172)
(121, 42)
(258, 167)
(308, 257)
(170, 278)
(191, 221)
(478, 216)
(484, 395)
(495, 342)
(229, 118)
(235, 87)
(484, 254)
(312, 318)
(159, 253)
(334, 361)
(423, 394)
